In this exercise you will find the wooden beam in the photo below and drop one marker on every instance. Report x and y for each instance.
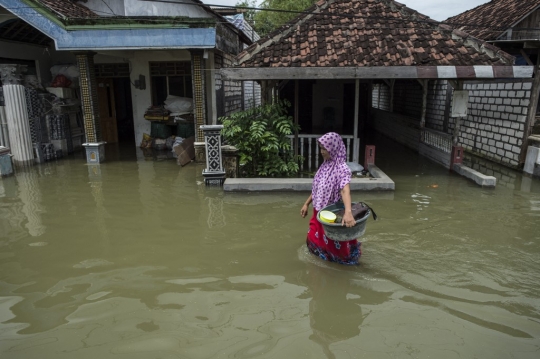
(455, 135)
(392, 82)
(356, 144)
(296, 113)
(453, 83)
(424, 84)
(531, 111)
(526, 57)
(447, 102)
(376, 72)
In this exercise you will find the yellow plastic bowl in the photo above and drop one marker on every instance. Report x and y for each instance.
(327, 216)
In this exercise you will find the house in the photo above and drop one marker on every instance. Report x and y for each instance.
(130, 55)
(513, 26)
(347, 64)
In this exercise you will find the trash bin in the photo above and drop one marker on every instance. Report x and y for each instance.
(6, 165)
(185, 129)
(160, 130)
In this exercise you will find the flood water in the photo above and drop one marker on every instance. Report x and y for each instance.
(140, 260)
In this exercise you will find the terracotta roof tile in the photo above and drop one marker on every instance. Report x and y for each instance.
(67, 9)
(492, 19)
(349, 32)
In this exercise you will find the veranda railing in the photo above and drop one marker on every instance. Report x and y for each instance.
(309, 150)
(439, 140)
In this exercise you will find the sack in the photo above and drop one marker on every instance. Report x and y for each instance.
(146, 141)
(177, 104)
(358, 210)
(170, 142)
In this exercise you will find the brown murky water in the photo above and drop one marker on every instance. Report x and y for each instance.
(141, 260)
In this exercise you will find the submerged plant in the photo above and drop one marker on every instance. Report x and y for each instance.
(260, 135)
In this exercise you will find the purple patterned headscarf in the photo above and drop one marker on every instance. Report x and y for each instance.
(333, 174)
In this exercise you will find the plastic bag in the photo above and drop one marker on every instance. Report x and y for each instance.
(61, 81)
(160, 144)
(170, 142)
(177, 104)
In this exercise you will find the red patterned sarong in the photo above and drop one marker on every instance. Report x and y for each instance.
(343, 252)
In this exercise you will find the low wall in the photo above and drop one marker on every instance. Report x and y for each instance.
(379, 182)
(435, 155)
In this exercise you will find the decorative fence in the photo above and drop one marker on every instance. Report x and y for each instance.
(439, 140)
(308, 148)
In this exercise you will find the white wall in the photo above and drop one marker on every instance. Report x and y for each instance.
(144, 8)
(142, 99)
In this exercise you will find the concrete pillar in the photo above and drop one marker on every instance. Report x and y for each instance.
(199, 102)
(94, 145)
(199, 93)
(18, 124)
(369, 156)
(214, 173)
(457, 156)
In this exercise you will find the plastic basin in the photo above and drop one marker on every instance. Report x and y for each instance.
(337, 232)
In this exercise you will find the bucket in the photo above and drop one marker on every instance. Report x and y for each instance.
(160, 130)
(336, 231)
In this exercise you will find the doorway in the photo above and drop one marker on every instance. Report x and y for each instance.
(115, 109)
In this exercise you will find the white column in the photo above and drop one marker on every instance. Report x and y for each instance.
(18, 124)
(4, 140)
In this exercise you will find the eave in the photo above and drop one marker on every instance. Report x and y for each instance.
(102, 37)
(138, 23)
(387, 72)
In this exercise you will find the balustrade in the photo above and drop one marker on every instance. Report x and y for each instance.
(308, 148)
(436, 139)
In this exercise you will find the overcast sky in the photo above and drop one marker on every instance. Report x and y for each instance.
(436, 9)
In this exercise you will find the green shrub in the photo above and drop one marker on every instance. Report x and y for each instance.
(260, 135)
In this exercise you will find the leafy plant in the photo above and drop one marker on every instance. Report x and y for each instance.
(260, 135)
(272, 13)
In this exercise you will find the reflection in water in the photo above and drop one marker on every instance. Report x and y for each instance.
(334, 314)
(216, 217)
(143, 260)
(95, 180)
(30, 195)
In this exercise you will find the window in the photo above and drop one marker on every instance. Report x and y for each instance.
(170, 78)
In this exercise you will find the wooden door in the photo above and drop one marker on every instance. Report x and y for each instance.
(107, 110)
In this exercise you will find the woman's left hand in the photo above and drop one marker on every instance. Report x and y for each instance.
(348, 220)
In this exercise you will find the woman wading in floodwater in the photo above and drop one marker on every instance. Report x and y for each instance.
(331, 183)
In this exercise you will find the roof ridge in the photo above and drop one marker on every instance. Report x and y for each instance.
(494, 18)
(283, 29)
(368, 33)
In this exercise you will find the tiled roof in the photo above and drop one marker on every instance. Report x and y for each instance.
(67, 9)
(490, 20)
(353, 33)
